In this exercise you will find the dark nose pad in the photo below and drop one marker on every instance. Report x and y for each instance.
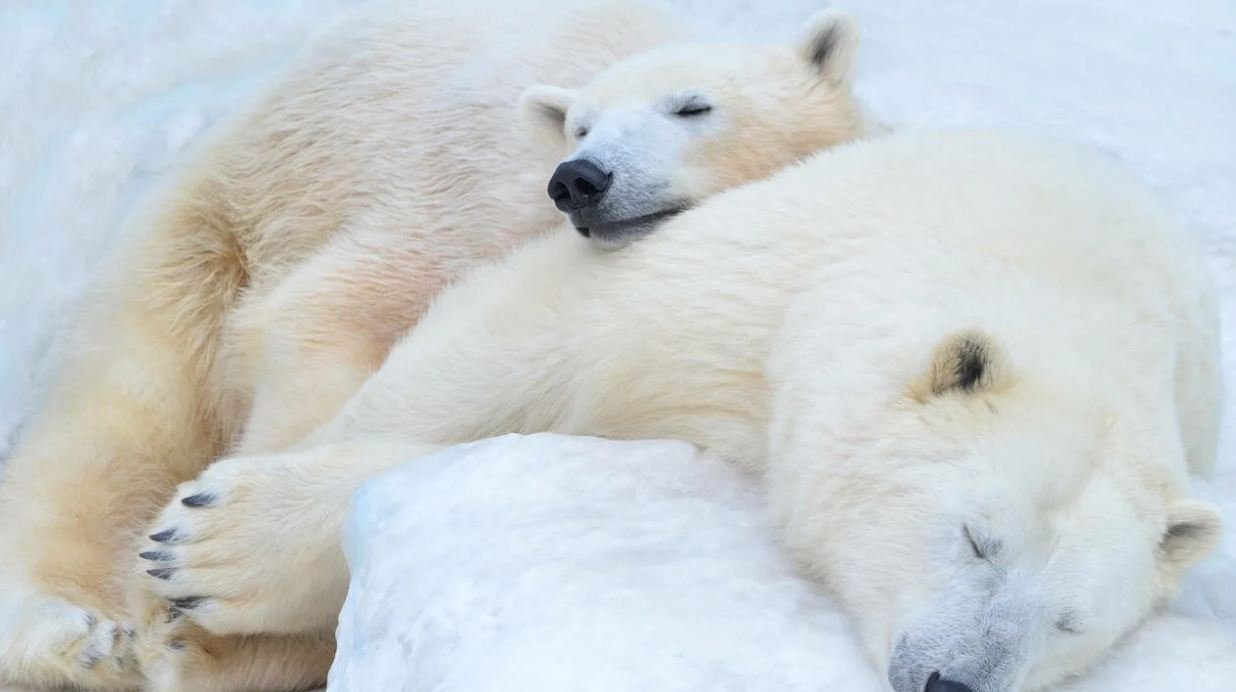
(577, 184)
(938, 684)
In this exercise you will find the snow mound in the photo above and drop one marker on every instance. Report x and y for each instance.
(555, 563)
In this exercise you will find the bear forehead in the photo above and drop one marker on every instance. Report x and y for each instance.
(664, 71)
(1041, 514)
(1034, 480)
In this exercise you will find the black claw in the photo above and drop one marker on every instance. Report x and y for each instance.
(164, 536)
(161, 573)
(188, 603)
(155, 556)
(176, 644)
(199, 500)
(173, 614)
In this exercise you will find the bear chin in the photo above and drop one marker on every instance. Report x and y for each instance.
(616, 234)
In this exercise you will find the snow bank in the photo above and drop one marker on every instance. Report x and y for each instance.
(557, 564)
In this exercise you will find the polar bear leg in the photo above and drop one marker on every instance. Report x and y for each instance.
(310, 344)
(180, 657)
(93, 470)
(254, 544)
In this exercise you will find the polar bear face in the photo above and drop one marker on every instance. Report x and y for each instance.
(990, 531)
(660, 131)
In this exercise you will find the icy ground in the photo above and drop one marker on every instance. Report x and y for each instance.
(97, 99)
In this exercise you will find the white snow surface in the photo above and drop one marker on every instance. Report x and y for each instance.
(556, 564)
(551, 564)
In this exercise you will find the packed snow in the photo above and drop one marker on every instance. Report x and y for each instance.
(547, 563)
(556, 564)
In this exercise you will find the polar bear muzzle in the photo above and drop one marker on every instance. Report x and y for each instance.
(578, 188)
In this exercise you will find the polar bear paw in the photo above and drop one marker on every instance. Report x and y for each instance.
(52, 641)
(170, 652)
(239, 549)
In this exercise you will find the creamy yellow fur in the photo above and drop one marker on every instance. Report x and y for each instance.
(271, 277)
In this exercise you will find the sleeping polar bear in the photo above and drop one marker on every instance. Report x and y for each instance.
(273, 274)
(972, 372)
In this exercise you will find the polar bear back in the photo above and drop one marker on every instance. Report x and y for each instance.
(1055, 251)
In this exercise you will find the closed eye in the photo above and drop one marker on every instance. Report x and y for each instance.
(983, 546)
(692, 110)
(1067, 623)
(974, 544)
(688, 105)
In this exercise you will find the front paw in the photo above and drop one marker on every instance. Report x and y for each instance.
(247, 548)
(174, 653)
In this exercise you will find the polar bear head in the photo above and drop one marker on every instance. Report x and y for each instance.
(662, 130)
(989, 528)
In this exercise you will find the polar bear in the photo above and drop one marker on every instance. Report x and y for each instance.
(270, 278)
(971, 370)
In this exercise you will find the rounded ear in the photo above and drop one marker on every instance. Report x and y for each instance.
(543, 109)
(1193, 530)
(967, 361)
(828, 44)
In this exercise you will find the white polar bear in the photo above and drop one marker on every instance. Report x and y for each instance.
(971, 370)
(272, 276)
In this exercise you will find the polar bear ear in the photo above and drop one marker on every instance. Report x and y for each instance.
(1193, 530)
(543, 111)
(967, 361)
(828, 44)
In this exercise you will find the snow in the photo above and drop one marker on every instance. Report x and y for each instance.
(537, 563)
(662, 575)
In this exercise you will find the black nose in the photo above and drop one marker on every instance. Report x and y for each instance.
(938, 684)
(577, 184)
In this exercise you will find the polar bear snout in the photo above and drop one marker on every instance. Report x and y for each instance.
(577, 184)
(949, 661)
(611, 204)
